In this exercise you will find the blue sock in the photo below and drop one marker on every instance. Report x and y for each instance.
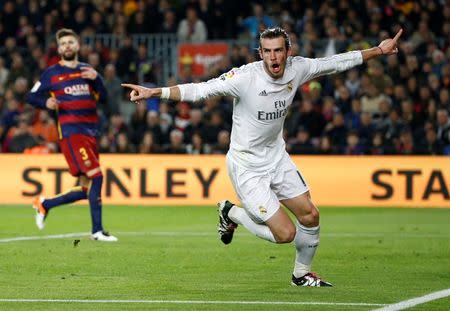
(95, 202)
(75, 194)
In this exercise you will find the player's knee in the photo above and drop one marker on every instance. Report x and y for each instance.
(311, 219)
(315, 215)
(286, 235)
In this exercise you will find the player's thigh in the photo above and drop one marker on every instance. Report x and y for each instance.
(254, 192)
(81, 154)
(292, 189)
(287, 181)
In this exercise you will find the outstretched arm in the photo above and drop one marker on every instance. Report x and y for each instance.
(386, 47)
(140, 93)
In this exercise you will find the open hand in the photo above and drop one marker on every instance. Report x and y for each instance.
(389, 46)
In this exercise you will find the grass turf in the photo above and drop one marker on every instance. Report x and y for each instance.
(168, 254)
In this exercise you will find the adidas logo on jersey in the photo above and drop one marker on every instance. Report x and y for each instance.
(263, 93)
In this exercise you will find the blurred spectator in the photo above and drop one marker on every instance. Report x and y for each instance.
(337, 131)
(354, 146)
(148, 144)
(191, 29)
(213, 128)
(112, 84)
(377, 145)
(126, 56)
(305, 115)
(45, 128)
(223, 143)
(138, 123)
(169, 24)
(183, 118)
(252, 25)
(123, 145)
(21, 137)
(197, 146)
(370, 102)
(176, 145)
(431, 145)
(104, 144)
(405, 144)
(10, 18)
(302, 143)
(334, 43)
(166, 127)
(352, 82)
(325, 147)
(4, 73)
(443, 126)
(195, 125)
(17, 70)
(137, 23)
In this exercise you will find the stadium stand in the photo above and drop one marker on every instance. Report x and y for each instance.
(396, 105)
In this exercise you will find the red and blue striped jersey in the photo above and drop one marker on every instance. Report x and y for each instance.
(77, 98)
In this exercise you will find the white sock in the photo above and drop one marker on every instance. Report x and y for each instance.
(306, 242)
(240, 216)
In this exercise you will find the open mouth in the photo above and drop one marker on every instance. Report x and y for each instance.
(276, 68)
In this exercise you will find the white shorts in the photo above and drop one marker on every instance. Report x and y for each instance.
(260, 192)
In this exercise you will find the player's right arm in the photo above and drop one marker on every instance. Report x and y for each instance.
(39, 95)
(232, 83)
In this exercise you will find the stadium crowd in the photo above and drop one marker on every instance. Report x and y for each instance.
(394, 105)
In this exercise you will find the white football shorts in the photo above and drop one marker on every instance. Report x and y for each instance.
(260, 192)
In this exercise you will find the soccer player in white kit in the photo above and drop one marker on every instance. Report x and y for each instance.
(262, 173)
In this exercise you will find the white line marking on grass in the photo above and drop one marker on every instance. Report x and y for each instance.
(416, 301)
(44, 237)
(205, 234)
(216, 302)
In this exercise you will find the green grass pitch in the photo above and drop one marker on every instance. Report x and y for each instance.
(170, 258)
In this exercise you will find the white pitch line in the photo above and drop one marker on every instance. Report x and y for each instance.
(180, 233)
(44, 237)
(216, 302)
(416, 301)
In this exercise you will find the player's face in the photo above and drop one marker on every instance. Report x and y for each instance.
(68, 47)
(274, 54)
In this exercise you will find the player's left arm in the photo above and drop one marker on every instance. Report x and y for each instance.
(310, 68)
(386, 47)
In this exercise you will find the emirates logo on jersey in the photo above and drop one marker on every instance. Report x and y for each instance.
(77, 89)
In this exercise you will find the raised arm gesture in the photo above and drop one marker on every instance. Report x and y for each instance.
(386, 47)
(389, 46)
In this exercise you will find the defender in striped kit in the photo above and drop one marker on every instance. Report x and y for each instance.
(72, 90)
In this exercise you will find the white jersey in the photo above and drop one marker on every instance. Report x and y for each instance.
(261, 103)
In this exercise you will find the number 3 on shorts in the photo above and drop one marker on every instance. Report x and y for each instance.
(84, 155)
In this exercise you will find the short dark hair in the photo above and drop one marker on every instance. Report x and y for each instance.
(64, 32)
(276, 32)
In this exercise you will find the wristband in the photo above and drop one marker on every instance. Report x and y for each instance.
(165, 93)
(382, 53)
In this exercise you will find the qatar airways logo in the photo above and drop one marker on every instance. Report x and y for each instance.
(77, 89)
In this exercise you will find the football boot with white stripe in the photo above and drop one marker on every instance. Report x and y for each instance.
(310, 279)
(226, 226)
